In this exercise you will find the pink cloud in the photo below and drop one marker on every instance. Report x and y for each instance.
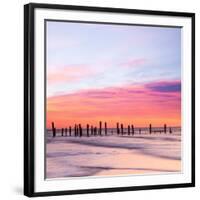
(138, 104)
(68, 73)
(134, 62)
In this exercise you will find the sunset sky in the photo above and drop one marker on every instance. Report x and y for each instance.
(114, 73)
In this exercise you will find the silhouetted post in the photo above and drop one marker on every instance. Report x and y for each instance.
(170, 130)
(88, 130)
(122, 129)
(92, 130)
(80, 130)
(140, 131)
(128, 129)
(75, 130)
(105, 128)
(118, 131)
(62, 131)
(95, 131)
(150, 128)
(70, 131)
(55, 132)
(133, 130)
(53, 129)
(65, 131)
(100, 126)
(165, 128)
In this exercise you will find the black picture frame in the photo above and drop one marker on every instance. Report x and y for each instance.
(29, 95)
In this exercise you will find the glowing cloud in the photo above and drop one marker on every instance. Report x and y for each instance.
(134, 62)
(129, 104)
(68, 73)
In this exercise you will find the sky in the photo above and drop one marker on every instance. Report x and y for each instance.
(114, 73)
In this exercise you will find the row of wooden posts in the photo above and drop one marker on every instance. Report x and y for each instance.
(94, 131)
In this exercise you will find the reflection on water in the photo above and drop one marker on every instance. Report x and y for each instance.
(113, 155)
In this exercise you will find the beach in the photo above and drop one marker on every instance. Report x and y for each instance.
(113, 155)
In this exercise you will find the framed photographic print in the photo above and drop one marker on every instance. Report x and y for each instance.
(108, 99)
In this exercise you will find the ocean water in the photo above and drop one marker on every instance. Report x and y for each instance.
(113, 155)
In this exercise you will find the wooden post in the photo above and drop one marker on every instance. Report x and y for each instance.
(122, 129)
(53, 129)
(88, 130)
(80, 130)
(92, 130)
(95, 131)
(170, 130)
(133, 130)
(55, 132)
(70, 131)
(100, 126)
(140, 131)
(118, 131)
(129, 129)
(105, 128)
(75, 130)
(165, 128)
(65, 131)
(62, 131)
(150, 128)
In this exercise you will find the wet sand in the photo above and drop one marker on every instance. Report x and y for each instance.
(113, 155)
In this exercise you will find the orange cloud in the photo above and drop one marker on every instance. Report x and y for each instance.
(139, 105)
